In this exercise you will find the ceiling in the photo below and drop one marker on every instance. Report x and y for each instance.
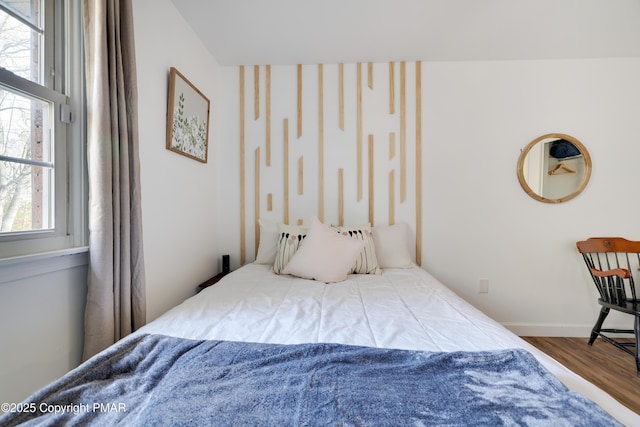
(279, 32)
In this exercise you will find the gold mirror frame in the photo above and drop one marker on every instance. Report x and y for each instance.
(523, 155)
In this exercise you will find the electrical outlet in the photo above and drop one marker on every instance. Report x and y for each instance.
(484, 286)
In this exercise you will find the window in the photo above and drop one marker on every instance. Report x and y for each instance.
(41, 147)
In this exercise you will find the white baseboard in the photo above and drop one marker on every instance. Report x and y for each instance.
(577, 331)
(542, 330)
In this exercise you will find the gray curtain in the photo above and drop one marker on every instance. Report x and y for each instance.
(116, 301)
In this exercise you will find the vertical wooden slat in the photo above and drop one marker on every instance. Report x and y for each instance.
(243, 247)
(392, 88)
(359, 130)
(320, 143)
(300, 175)
(419, 163)
(341, 95)
(370, 75)
(268, 118)
(256, 91)
(256, 186)
(270, 202)
(299, 100)
(341, 197)
(392, 197)
(392, 145)
(286, 171)
(403, 133)
(371, 175)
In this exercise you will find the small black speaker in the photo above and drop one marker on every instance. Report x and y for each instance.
(225, 264)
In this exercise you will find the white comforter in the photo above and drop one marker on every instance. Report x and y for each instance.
(402, 308)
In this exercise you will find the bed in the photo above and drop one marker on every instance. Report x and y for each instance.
(258, 348)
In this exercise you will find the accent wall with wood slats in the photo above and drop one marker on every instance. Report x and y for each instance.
(347, 138)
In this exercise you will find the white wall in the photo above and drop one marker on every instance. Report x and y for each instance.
(478, 222)
(482, 225)
(179, 195)
(42, 326)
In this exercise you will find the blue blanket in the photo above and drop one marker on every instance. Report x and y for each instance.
(155, 380)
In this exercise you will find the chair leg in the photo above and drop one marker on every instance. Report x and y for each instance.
(636, 330)
(604, 311)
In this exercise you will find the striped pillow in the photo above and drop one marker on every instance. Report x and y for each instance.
(367, 262)
(290, 238)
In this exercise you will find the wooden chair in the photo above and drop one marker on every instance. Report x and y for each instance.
(612, 263)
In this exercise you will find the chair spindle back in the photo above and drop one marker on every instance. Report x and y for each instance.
(612, 255)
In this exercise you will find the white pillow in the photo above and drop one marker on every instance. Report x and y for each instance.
(367, 261)
(290, 238)
(392, 246)
(325, 255)
(268, 245)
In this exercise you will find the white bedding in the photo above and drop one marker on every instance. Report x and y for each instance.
(402, 308)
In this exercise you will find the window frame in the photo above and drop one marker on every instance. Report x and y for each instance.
(63, 84)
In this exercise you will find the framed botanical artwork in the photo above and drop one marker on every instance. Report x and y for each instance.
(187, 118)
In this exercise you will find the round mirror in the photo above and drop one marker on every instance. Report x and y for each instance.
(554, 168)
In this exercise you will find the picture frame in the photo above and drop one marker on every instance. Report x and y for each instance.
(187, 118)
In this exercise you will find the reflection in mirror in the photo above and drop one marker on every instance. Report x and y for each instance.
(554, 168)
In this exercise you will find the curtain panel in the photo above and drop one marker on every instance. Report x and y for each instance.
(116, 300)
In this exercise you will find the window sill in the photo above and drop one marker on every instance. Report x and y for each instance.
(26, 266)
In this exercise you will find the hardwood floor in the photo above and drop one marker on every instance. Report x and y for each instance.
(602, 364)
